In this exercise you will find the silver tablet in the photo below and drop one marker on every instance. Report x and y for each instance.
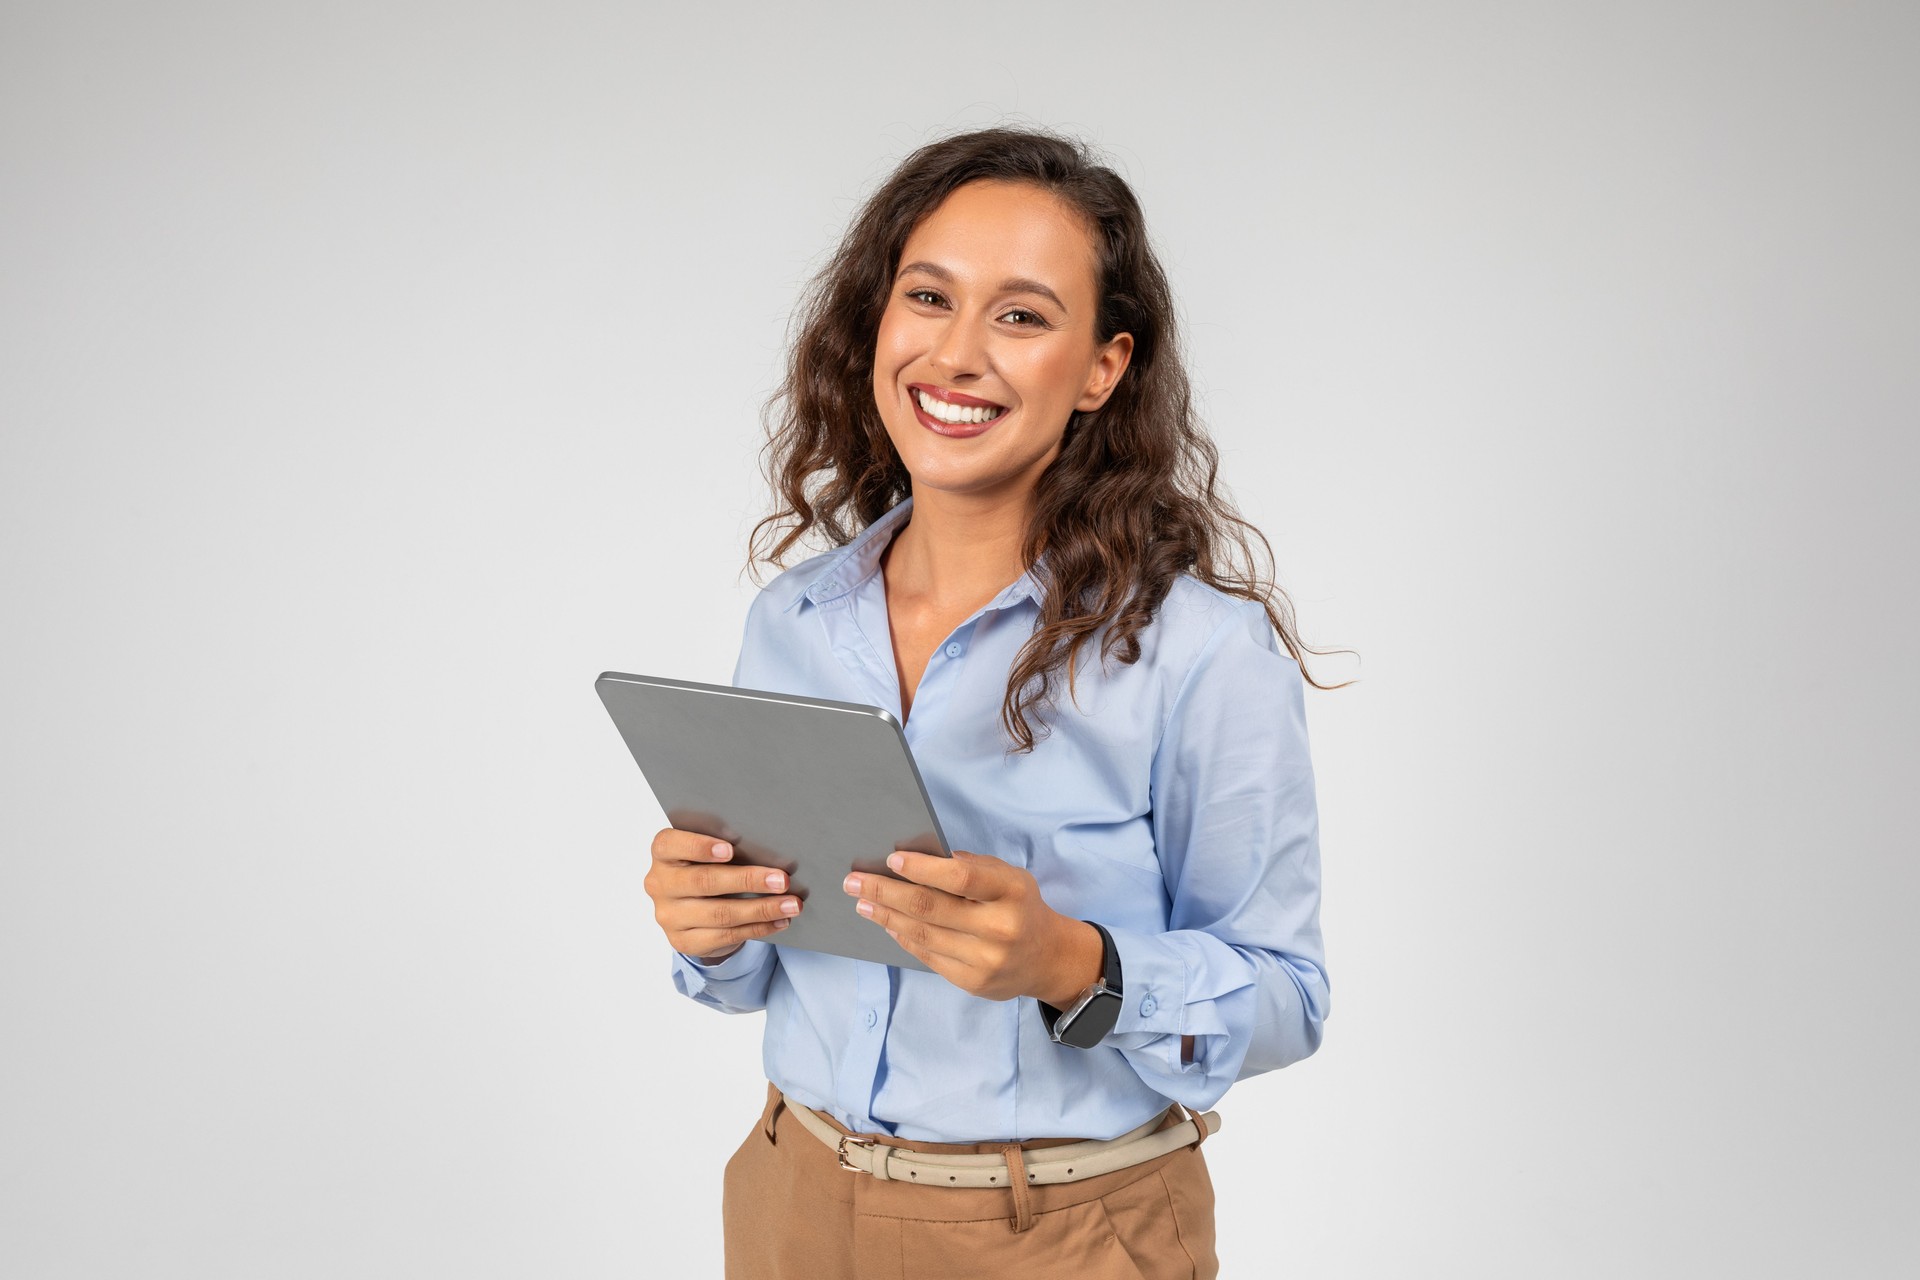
(814, 787)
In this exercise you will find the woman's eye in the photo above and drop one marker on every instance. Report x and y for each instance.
(1020, 315)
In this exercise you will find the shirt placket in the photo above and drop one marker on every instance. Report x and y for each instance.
(866, 1032)
(862, 641)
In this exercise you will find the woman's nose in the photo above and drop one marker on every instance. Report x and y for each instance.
(961, 349)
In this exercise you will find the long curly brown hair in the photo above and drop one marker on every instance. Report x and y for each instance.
(1129, 503)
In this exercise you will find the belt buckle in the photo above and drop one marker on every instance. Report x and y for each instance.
(841, 1151)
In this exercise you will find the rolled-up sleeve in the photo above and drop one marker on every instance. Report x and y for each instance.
(737, 984)
(1242, 967)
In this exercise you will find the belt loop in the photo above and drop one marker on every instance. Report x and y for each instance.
(772, 1114)
(1189, 1113)
(1017, 1183)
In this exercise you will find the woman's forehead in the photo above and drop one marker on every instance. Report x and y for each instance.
(989, 230)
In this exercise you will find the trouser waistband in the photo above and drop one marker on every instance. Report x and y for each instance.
(1013, 1165)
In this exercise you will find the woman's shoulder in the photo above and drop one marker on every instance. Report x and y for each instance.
(1193, 622)
(1202, 633)
(791, 583)
(1195, 614)
(767, 646)
(1224, 659)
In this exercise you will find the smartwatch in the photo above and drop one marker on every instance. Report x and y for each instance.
(1086, 1022)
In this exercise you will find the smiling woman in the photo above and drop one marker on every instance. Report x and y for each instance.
(986, 415)
(976, 343)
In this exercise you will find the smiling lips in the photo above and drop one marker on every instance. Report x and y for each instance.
(952, 414)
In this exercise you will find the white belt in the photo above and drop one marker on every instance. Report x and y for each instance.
(1067, 1163)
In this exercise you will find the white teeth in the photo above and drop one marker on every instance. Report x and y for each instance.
(958, 415)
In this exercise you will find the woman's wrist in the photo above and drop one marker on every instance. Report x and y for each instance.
(1077, 963)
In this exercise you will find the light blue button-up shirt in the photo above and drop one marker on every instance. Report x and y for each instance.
(1174, 805)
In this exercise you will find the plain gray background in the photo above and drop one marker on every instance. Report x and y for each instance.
(375, 375)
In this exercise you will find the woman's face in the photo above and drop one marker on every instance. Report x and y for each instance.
(991, 316)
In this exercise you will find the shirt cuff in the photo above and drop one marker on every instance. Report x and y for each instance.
(693, 977)
(1175, 985)
(1153, 983)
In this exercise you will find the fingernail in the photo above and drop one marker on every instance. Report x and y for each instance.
(791, 906)
(897, 862)
(776, 881)
(781, 924)
(722, 852)
(851, 884)
(864, 907)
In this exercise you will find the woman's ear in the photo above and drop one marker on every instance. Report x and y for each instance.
(1108, 365)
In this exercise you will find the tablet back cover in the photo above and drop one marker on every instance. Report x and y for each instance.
(814, 787)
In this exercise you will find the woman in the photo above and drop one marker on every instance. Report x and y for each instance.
(986, 412)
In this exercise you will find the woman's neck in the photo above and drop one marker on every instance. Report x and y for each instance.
(955, 551)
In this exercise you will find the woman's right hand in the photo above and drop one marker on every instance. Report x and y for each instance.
(688, 876)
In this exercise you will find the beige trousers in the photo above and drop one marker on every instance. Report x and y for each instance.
(790, 1212)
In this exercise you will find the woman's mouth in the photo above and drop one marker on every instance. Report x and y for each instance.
(957, 416)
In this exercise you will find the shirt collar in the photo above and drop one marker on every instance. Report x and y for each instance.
(859, 560)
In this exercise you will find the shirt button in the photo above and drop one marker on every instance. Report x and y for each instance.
(953, 650)
(872, 1017)
(1147, 1006)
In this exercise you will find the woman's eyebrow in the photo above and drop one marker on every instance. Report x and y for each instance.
(1013, 284)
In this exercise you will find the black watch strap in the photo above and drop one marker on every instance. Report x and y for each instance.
(1109, 974)
(1109, 958)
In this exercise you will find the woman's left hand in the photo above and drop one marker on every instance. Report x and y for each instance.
(980, 923)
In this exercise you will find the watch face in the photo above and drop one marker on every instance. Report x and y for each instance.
(1095, 1019)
